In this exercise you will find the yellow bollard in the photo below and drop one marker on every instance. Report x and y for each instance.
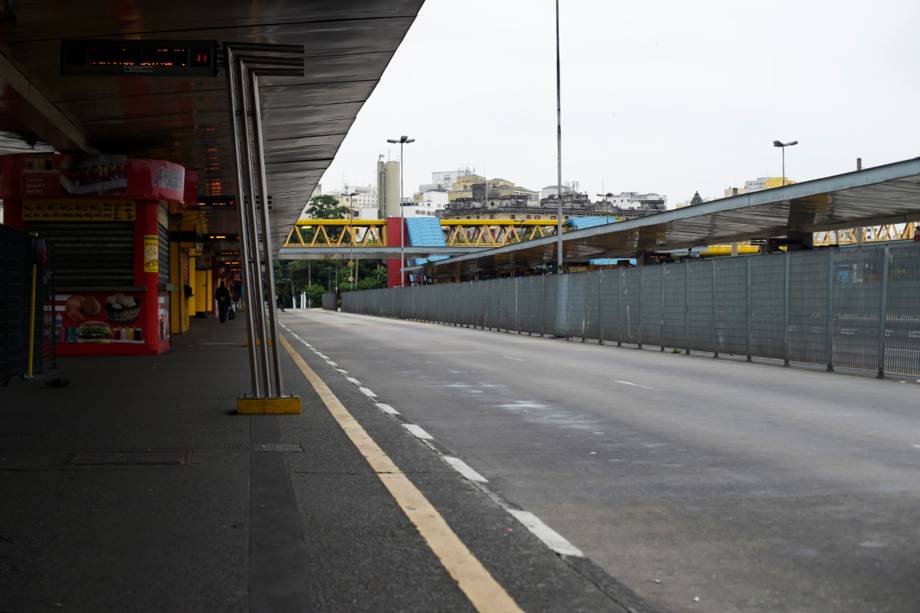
(32, 323)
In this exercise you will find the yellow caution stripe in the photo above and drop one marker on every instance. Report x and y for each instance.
(282, 405)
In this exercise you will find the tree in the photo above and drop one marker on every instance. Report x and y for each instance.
(326, 207)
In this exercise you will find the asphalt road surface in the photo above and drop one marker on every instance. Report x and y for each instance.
(702, 484)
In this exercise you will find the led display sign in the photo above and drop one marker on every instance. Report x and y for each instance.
(170, 58)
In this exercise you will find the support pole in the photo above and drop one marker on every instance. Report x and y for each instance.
(258, 306)
(829, 342)
(687, 307)
(715, 322)
(243, 214)
(883, 313)
(30, 365)
(748, 315)
(266, 235)
(786, 308)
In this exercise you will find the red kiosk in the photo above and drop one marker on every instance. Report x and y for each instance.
(105, 220)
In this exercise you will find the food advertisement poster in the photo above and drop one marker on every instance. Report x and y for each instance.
(151, 253)
(99, 317)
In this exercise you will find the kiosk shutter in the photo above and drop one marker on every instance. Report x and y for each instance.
(89, 254)
(163, 245)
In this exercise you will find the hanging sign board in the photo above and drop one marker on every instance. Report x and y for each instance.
(165, 58)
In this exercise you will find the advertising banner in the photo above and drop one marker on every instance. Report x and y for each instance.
(47, 175)
(99, 317)
(151, 253)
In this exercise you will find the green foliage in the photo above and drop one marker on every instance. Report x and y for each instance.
(324, 276)
(315, 294)
(326, 207)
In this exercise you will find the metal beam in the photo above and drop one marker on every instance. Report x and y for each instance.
(44, 107)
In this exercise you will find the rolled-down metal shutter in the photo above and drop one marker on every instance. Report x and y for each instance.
(89, 254)
(163, 278)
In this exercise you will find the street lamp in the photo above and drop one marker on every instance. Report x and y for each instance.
(351, 238)
(782, 146)
(402, 140)
(558, 150)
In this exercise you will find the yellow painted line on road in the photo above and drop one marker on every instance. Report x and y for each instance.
(471, 576)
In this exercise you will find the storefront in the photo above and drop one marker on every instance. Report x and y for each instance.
(106, 222)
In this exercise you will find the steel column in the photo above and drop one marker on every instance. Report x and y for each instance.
(715, 322)
(883, 313)
(266, 233)
(786, 306)
(249, 177)
(747, 307)
(829, 339)
(242, 211)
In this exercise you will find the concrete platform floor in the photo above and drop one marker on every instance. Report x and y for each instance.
(137, 488)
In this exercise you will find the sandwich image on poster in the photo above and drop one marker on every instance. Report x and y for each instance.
(94, 332)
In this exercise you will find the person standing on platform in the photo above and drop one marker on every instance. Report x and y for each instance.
(222, 295)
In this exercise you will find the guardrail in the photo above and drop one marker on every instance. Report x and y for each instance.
(853, 308)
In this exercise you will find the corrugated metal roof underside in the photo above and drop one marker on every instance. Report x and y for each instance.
(348, 44)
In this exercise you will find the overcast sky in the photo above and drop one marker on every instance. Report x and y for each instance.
(667, 96)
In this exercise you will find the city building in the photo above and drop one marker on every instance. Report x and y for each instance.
(444, 179)
(501, 199)
(387, 188)
(758, 184)
(426, 204)
(635, 200)
(362, 200)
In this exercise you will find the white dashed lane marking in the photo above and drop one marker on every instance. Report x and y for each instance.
(534, 524)
(386, 408)
(464, 469)
(418, 432)
(550, 537)
(367, 392)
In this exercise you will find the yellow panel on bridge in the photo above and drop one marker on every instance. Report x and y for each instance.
(358, 233)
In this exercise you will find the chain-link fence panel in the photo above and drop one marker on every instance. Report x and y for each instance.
(577, 305)
(731, 309)
(593, 305)
(808, 305)
(700, 308)
(767, 305)
(902, 341)
(650, 310)
(550, 305)
(630, 306)
(610, 304)
(674, 332)
(856, 303)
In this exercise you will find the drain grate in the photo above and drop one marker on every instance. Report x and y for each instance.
(132, 457)
(266, 447)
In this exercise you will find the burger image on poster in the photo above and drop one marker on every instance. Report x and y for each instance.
(121, 308)
(79, 307)
(94, 332)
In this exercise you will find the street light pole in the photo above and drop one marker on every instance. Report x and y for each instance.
(402, 140)
(559, 255)
(351, 240)
(782, 147)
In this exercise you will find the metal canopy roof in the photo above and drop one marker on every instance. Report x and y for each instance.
(884, 194)
(348, 45)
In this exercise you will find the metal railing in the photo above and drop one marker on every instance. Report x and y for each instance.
(853, 307)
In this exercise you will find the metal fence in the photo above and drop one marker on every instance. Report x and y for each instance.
(852, 307)
(330, 301)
